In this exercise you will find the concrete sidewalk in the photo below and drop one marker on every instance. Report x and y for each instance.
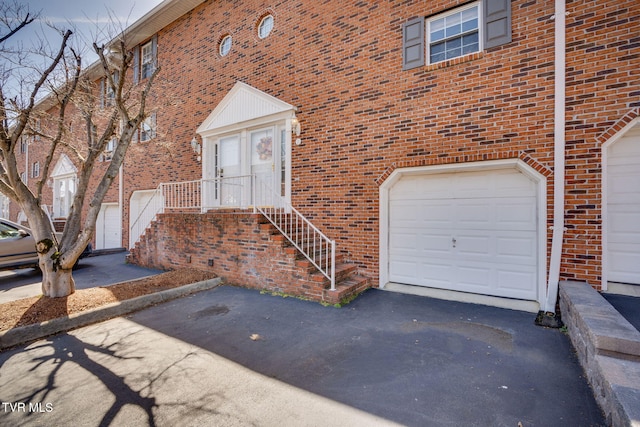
(233, 356)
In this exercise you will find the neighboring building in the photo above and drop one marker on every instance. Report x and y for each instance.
(421, 136)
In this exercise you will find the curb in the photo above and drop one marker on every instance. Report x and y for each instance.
(608, 348)
(24, 334)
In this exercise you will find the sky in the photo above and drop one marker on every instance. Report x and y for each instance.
(88, 19)
(86, 16)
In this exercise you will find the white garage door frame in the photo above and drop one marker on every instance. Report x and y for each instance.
(605, 284)
(492, 165)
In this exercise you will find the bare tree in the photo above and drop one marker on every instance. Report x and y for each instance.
(103, 102)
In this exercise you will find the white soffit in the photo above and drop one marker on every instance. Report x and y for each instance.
(242, 104)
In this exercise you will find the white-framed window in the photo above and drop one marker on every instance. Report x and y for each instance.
(145, 59)
(35, 170)
(460, 32)
(225, 45)
(147, 129)
(454, 33)
(107, 92)
(265, 26)
(109, 149)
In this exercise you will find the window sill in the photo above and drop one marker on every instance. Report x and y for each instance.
(455, 61)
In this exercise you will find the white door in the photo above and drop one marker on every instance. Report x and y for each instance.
(228, 172)
(467, 231)
(262, 145)
(623, 209)
(108, 227)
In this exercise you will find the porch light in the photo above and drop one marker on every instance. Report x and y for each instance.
(295, 126)
(196, 147)
(295, 129)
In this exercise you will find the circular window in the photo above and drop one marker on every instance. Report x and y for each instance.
(225, 45)
(265, 27)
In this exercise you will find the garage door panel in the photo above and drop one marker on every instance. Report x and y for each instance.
(474, 278)
(515, 249)
(519, 213)
(623, 224)
(434, 274)
(465, 231)
(474, 215)
(517, 283)
(623, 209)
(623, 262)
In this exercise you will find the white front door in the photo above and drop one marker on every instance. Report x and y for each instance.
(228, 173)
(465, 231)
(239, 167)
(623, 209)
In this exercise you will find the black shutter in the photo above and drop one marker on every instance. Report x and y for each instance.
(413, 43)
(497, 22)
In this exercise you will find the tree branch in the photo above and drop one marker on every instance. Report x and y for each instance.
(26, 21)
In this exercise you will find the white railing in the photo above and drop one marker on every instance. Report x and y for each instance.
(241, 192)
(311, 242)
(146, 215)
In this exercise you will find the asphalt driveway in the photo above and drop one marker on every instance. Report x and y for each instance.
(233, 356)
(93, 271)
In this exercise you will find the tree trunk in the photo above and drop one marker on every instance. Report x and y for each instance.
(57, 283)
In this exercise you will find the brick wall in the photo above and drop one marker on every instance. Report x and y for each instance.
(241, 245)
(361, 115)
(603, 87)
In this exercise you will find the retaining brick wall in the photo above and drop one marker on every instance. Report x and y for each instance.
(241, 245)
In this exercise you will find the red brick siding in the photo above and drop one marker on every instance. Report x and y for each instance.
(361, 116)
(243, 250)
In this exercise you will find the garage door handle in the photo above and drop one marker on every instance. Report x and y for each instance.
(453, 241)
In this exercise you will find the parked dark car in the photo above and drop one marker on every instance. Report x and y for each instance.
(18, 247)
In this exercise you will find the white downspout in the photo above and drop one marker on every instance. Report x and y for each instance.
(559, 159)
(121, 200)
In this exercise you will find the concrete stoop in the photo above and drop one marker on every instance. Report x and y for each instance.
(608, 348)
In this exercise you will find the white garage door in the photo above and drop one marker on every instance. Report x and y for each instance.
(108, 227)
(623, 209)
(467, 231)
(143, 206)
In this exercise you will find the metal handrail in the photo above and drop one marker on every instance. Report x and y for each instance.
(191, 195)
(306, 237)
(136, 229)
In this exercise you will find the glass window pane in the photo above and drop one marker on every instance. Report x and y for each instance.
(470, 48)
(469, 14)
(454, 53)
(454, 30)
(436, 29)
(454, 43)
(437, 48)
(470, 39)
(470, 25)
(437, 57)
(261, 147)
(266, 25)
(437, 35)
